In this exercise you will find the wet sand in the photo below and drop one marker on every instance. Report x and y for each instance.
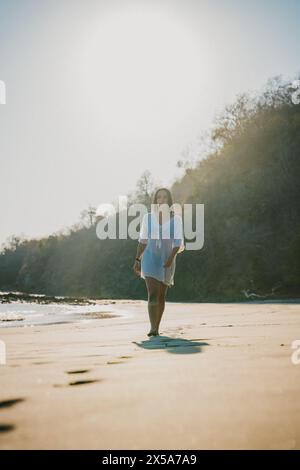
(218, 376)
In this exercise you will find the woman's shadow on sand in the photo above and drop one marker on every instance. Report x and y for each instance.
(173, 345)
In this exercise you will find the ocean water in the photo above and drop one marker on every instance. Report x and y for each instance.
(27, 314)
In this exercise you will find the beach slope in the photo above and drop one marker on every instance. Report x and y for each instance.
(218, 376)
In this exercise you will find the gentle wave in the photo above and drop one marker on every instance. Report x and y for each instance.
(30, 314)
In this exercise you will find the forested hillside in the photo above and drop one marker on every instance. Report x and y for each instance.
(249, 184)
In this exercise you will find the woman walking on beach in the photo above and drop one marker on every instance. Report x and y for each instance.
(160, 240)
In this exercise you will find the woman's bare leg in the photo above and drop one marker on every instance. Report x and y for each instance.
(153, 287)
(161, 301)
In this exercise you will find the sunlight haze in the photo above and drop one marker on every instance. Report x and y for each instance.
(99, 91)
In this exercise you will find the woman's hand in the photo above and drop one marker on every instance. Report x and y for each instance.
(168, 261)
(137, 267)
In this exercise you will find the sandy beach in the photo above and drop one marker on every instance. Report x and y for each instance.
(218, 376)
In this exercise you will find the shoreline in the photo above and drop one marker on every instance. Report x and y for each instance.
(15, 296)
(88, 312)
(20, 314)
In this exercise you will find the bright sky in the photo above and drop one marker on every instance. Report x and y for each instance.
(97, 91)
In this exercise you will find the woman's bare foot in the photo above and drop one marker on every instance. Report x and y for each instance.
(153, 333)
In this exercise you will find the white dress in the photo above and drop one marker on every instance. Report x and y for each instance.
(160, 240)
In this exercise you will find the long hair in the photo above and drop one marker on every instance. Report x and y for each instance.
(170, 198)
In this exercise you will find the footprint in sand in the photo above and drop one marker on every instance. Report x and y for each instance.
(80, 371)
(7, 427)
(119, 362)
(4, 427)
(9, 403)
(77, 382)
(83, 382)
(39, 363)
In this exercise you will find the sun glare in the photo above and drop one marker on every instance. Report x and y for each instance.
(144, 72)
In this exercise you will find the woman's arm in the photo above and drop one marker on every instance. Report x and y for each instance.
(142, 243)
(169, 260)
(139, 251)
